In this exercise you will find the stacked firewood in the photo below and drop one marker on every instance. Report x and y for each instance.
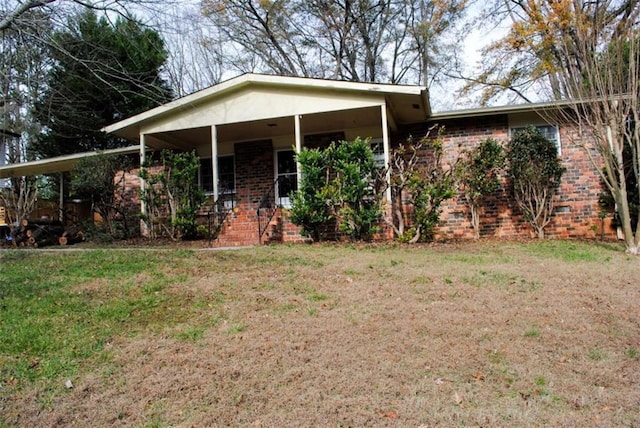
(44, 232)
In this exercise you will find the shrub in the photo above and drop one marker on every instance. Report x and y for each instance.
(340, 182)
(477, 173)
(535, 172)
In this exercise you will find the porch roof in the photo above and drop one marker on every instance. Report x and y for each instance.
(257, 97)
(57, 164)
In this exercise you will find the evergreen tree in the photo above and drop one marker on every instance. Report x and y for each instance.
(103, 72)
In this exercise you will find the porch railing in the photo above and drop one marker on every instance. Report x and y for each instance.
(267, 208)
(218, 213)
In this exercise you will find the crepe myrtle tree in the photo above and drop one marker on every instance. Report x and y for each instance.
(420, 181)
(535, 172)
(477, 174)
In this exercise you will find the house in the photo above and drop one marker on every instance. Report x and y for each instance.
(247, 130)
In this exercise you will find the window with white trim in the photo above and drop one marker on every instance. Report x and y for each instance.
(226, 175)
(551, 133)
(287, 175)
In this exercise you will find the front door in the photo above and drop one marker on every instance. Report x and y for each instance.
(287, 176)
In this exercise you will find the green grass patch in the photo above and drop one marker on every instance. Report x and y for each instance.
(60, 310)
(236, 329)
(597, 355)
(571, 251)
(316, 297)
(191, 334)
(532, 332)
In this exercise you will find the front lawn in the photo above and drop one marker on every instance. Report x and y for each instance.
(476, 334)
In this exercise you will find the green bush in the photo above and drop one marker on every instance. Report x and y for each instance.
(477, 173)
(535, 172)
(340, 182)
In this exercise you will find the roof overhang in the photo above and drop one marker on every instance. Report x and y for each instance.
(406, 104)
(505, 109)
(58, 164)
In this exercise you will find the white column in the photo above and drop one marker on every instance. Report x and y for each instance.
(298, 133)
(386, 145)
(214, 161)
(144, 229)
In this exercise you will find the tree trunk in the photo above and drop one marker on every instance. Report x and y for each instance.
(475, 221)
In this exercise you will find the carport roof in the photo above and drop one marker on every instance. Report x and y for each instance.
(57, 164)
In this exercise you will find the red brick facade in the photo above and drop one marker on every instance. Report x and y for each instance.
(576, 214)
(576, 205)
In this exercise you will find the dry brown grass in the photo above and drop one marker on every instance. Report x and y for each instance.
(488, 334)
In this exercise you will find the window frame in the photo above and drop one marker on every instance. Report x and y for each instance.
(556, 141)
(378, 156)
(207, 161)
(284, 201)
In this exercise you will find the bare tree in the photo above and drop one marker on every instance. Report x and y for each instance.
(359, 40)
(586, 54)
(195, 49)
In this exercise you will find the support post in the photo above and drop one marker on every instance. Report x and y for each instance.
(387, 149)
(61, 199)
(298, 132)
(214, 162)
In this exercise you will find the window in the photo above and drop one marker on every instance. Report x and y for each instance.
(226, 175)
(287, 175)
(549, 131)
(377, 147)
(206, 175)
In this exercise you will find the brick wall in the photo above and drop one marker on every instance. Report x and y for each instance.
(576, 214)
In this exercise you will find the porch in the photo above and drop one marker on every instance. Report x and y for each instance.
(247, 131)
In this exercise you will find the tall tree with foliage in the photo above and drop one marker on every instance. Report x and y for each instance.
(586, 54)
(477, 174)
(535, 172)
(106, 72)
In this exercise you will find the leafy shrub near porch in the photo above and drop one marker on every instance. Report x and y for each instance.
(535, 172)
(341, 182)
(173, 190)
(311, 204)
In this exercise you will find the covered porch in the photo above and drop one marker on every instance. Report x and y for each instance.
(246, 132)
